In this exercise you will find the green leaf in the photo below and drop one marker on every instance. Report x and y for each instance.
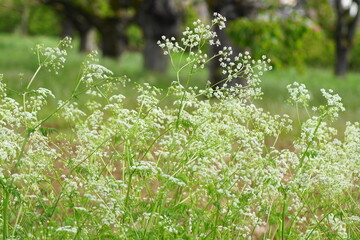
(29, 131)
(47, 131)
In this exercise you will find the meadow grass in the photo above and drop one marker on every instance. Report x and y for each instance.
(17, 57)
(17, 63)
(175, 161)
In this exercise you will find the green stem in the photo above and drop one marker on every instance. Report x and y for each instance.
(33, 77)
(92, 153)
(283, 215)
(309, 143)
(73, 95)
(297, 114)
(27, 136)
(78, 232)
(148, 224)
(53, 113)
(53, 207)
(283, 221)
(127, 194)
(154, 141)
(19, 214)
(318, 224)
(297, 214)
(5, 212)
(182, 105)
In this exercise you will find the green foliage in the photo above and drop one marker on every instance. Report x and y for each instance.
(274, 82)
(10, 16)
(324, 15)
(292, 41)
(9, 21)
(355, 53)
(135, 37)
(318, 48)
(44, 21)
(103, 8)
(191, 15)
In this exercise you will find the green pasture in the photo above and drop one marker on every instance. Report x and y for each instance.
(18, 63)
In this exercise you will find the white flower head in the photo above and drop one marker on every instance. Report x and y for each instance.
(298, 93)
(334, 104)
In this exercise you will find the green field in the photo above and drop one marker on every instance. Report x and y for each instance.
(18, 63)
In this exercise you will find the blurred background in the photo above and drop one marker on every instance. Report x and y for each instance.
(316, 42)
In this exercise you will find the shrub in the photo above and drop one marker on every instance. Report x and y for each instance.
(9, 16)
(44, 21)
(135, 37)
(186, 163)
(290, 41)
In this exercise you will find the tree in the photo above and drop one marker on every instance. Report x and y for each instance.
(109, 17)
(347, 17)
(322, 12)
(67, 28)
(73, 18)
(25, 14)
(21, 9)
(158, 18)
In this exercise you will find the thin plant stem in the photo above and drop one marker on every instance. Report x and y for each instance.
(5, 213)
(33, 77)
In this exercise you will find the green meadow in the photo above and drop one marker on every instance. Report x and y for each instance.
(18, 63)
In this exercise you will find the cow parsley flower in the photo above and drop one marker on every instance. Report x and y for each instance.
(95, 72)
(53, 58)
(334, 104)
(298, 94)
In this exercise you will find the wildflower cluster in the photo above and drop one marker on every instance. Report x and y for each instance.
(298, 94)
(193, 41)
(334, 104)
(53, 58)
(93, 72)
(197, 168)
(194, 38)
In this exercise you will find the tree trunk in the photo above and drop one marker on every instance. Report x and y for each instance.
(67, 28)
(158, 18)
(342, 59)
(154, 58)
(113, 38)
(88, 41)
(344, 36)
(25, 15)
(75, 18)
